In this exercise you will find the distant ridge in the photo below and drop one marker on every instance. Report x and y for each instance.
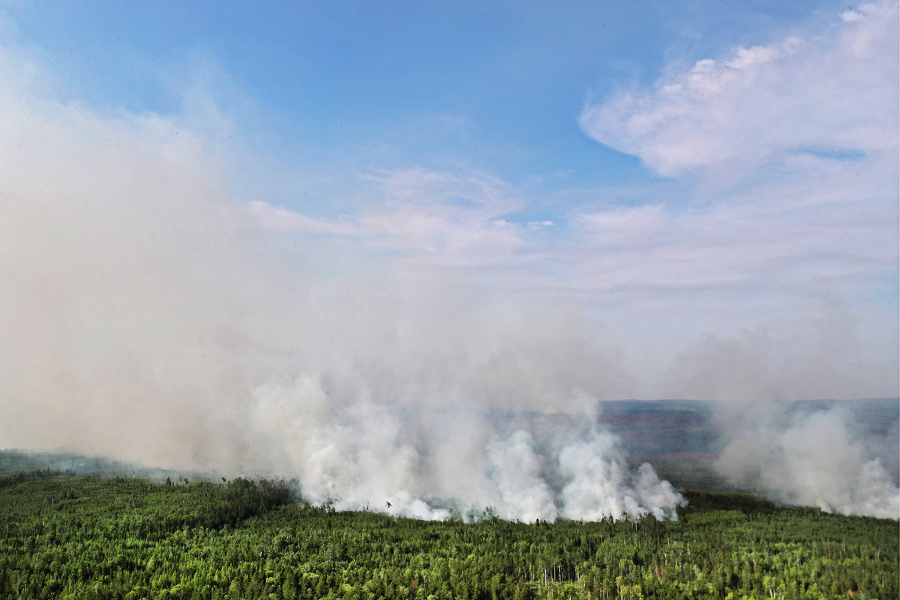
(627, 407)
(635, 406)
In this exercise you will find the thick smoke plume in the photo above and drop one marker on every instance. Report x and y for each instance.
(436, 463)
(145, 316)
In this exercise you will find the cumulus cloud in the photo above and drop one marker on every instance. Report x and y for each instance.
(829, 93)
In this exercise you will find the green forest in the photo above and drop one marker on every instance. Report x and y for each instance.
(67, 536)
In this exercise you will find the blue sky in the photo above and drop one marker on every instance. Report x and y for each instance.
(691, 179)
(496, 87)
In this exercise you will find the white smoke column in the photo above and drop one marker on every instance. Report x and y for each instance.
(515, 468)
(355, 454)
(456, 466)
(811, 460)
(294, 425)
(352, 457)
(601, 484)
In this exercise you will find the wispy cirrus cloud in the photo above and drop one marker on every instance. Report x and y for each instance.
(274, 218)
(448, 217)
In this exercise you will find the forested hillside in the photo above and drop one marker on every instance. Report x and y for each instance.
(85, 537)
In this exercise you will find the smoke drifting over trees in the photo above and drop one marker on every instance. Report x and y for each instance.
(813, 455)
(145, 315)
(810, 459)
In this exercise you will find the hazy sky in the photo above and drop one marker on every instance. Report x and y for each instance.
(712, 187)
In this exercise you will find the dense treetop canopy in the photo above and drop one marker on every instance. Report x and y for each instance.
(89, 537)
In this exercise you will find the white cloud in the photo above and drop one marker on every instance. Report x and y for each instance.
(456, 217)
(438, 215)
(622, 226)
(835, 91)
(281, 219)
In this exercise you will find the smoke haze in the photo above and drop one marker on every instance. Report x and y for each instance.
(811, 460)
(814, 454)
(145, 317)
(148, 314)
